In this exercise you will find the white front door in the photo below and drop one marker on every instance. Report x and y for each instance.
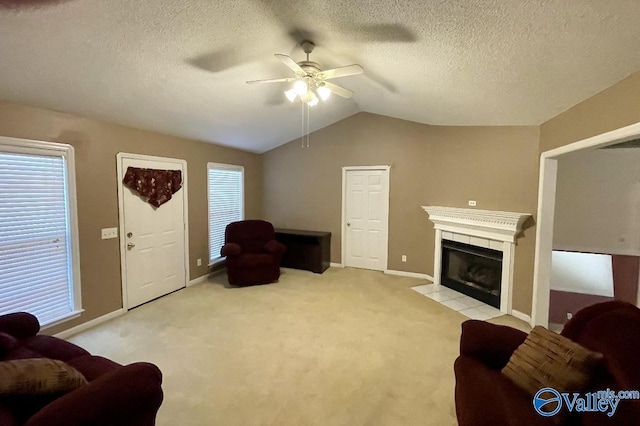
(366, 217)
(154, 239)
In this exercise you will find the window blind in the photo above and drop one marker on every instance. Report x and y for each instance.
(35, 260)
(225, 203)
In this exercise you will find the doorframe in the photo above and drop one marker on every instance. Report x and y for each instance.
(343, 227)
(185, 217)
(546, 210)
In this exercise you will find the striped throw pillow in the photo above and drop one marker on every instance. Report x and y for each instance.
(38, 376)
(547, 359)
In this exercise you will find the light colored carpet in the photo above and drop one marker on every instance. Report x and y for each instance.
(348, 347)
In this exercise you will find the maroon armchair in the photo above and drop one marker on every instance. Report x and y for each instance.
(252, 252)
(114, 395)
(484, 396)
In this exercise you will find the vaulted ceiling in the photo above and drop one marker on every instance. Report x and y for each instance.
(179, 67)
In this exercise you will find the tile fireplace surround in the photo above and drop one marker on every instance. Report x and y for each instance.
(492, 229)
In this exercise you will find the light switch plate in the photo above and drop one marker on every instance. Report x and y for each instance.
(108, 233)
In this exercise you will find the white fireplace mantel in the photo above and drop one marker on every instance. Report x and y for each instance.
(492, 224)
(488, 228)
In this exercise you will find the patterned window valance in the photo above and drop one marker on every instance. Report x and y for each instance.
(154, 186)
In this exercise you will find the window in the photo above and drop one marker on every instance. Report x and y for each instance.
(226, 203)
(39, 262)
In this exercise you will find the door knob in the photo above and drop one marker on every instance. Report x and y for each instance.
(348, 223)
(130, 246)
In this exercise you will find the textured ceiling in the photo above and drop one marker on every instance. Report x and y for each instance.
(179, 67)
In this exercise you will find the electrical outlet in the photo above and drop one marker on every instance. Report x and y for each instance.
(199, 262)
(108, 233)
(404, 258)
(472, 203)
(569, 315)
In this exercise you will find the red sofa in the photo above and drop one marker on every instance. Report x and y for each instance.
(115, 395)
(252, 252)
(484, 396)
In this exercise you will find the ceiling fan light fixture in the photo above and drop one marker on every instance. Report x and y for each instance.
(301, 87)
(306, 97)
(313, 101)
(324, 92)
(291, 94)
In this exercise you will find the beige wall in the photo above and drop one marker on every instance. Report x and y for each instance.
(430, 165)
(96, 144)
(497, 167)
(598, 202)
(303, 186)
(615, 107)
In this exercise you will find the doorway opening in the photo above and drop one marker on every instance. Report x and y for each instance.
(547, 191)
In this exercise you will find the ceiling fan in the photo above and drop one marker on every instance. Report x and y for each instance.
(310, 82)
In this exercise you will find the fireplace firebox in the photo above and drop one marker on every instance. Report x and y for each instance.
(472, 270)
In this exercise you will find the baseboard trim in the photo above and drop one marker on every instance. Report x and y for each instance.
(198, 280)
(205, 277)
(217, 272)
(521, 316)
(336, 265)
(409, 274)
(89, 324)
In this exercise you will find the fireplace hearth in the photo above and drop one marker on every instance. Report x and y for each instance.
(474, 271)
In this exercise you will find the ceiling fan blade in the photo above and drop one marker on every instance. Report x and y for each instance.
(288, 61)
(273, 80)
(354, 69)
(338, 90)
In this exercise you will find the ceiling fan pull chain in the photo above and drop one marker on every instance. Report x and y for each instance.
(305, 108)
(308, 124)
(304, 138)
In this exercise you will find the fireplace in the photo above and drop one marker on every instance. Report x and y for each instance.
(472, 270)
(475, 248)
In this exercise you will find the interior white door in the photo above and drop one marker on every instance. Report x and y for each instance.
(366, 213)
(154, 240)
